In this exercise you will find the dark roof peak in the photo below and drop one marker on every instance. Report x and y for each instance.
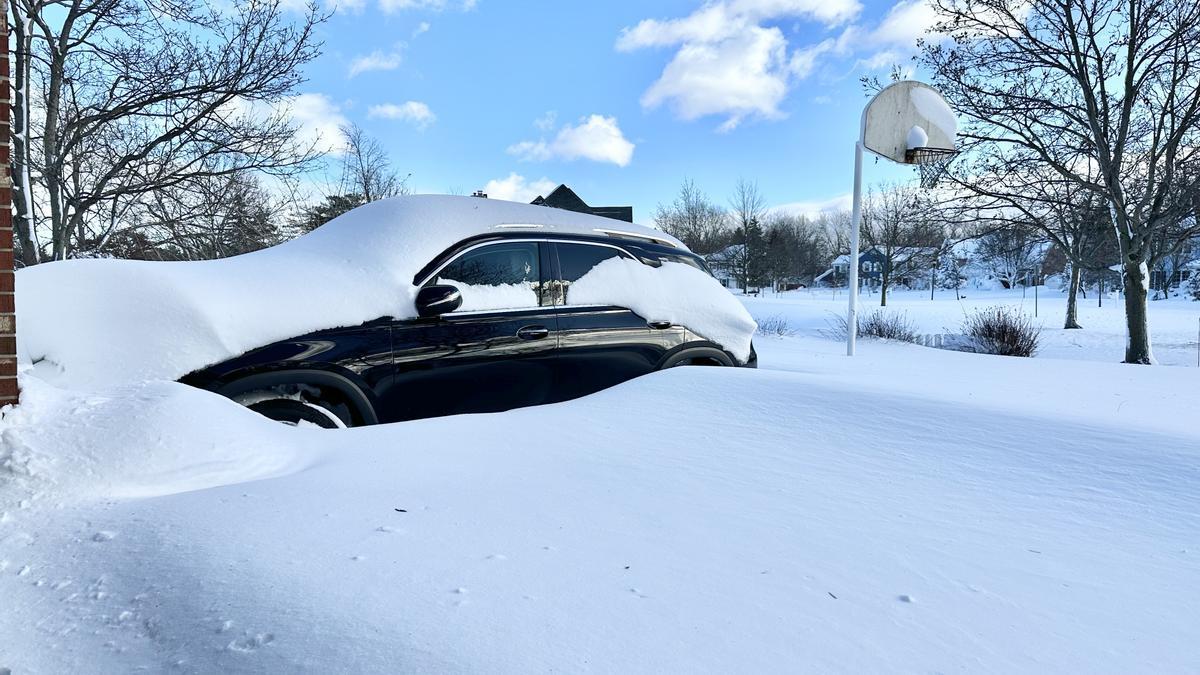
(563, 197)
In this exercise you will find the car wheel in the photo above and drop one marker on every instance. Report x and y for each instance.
(292, 412)
(700, 361)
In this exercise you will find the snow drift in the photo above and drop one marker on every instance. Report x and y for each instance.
(675, 292)
(97, 322)
(909, 510)
(137, 440)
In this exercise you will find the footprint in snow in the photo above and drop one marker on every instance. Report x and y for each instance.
(251, 643)
(104, 535)
(905, 598)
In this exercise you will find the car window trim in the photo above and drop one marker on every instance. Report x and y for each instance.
(533, 240)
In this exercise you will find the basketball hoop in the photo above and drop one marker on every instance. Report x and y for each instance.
(907, 122)
(928, 155)
(931, 163)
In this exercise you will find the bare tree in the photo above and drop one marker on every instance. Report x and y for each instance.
(746, 258)
(1103, 94)
(207, 218)
(367, 169)
(366, 176)
(795, 247)
(137, 97)
(896, 223)
(694, 220)
(1011, 252)
(1081, 229)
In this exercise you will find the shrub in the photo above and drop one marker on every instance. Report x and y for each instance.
(880, 324)
(774, 325)
(1002, 331)
(888, 326)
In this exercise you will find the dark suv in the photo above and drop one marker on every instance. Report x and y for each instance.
(496, 330)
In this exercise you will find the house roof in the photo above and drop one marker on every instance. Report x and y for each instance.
(563, 197)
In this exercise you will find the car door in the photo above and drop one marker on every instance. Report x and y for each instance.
(495, 352)
(600, 345)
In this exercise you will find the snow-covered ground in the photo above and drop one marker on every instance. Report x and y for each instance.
(1174, 324)
(911, 509)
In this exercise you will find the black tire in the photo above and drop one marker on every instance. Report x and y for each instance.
(701, 361)
(290, 411)
(698, 356)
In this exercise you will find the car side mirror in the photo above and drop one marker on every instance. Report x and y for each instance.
(437, 300)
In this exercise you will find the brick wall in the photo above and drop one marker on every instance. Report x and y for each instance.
(8, 315)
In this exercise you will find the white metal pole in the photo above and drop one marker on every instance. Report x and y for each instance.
(855, 221)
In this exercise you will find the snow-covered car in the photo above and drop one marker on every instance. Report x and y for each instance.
(402, 309)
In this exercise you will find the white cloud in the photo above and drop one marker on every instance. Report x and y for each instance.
(352, 6)
(422, 27)
(907, 21)
(390, 6)
(727, 62)
(415, 112)
(742, 76)
(546, 122)
(732, 60)
(894, 40)
(516, 189)
(596, 137)
(813, 209)
(376, 60)
(319, 121)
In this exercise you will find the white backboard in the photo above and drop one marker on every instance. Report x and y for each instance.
(906, 115)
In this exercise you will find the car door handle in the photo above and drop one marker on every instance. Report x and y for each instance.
(533, 333)
(660, 325)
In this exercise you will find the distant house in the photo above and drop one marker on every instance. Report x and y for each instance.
(563, 197)
(870, 269)
(871, 264)
(723, 263)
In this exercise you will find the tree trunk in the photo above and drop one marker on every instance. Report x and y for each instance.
(1072, 296)
(1137, 345)
(883, 287)
(22, 198)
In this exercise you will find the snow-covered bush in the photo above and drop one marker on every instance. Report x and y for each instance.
(1193, 284)
(888, 326)
(776, 325)
(1002, 331)
(880, 324)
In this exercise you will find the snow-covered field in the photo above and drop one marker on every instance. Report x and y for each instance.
(911, 509)
(1174, 324)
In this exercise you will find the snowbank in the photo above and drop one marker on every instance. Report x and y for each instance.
(674, 292)
(107, 321)
(909, 510)
(136, 440)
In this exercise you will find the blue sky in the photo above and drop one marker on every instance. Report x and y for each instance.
(620, 100)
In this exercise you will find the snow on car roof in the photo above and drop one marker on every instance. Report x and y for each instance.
(89, 322)
(449, 219)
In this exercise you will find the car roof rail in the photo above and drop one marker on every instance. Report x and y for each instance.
(635, 235)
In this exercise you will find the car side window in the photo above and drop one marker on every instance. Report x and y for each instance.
(496, 276)
(575, 261)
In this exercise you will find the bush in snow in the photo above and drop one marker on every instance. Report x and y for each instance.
(889, 326)
(881, 324)
(1002, 331)
(774, 325)
(1193, 284)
